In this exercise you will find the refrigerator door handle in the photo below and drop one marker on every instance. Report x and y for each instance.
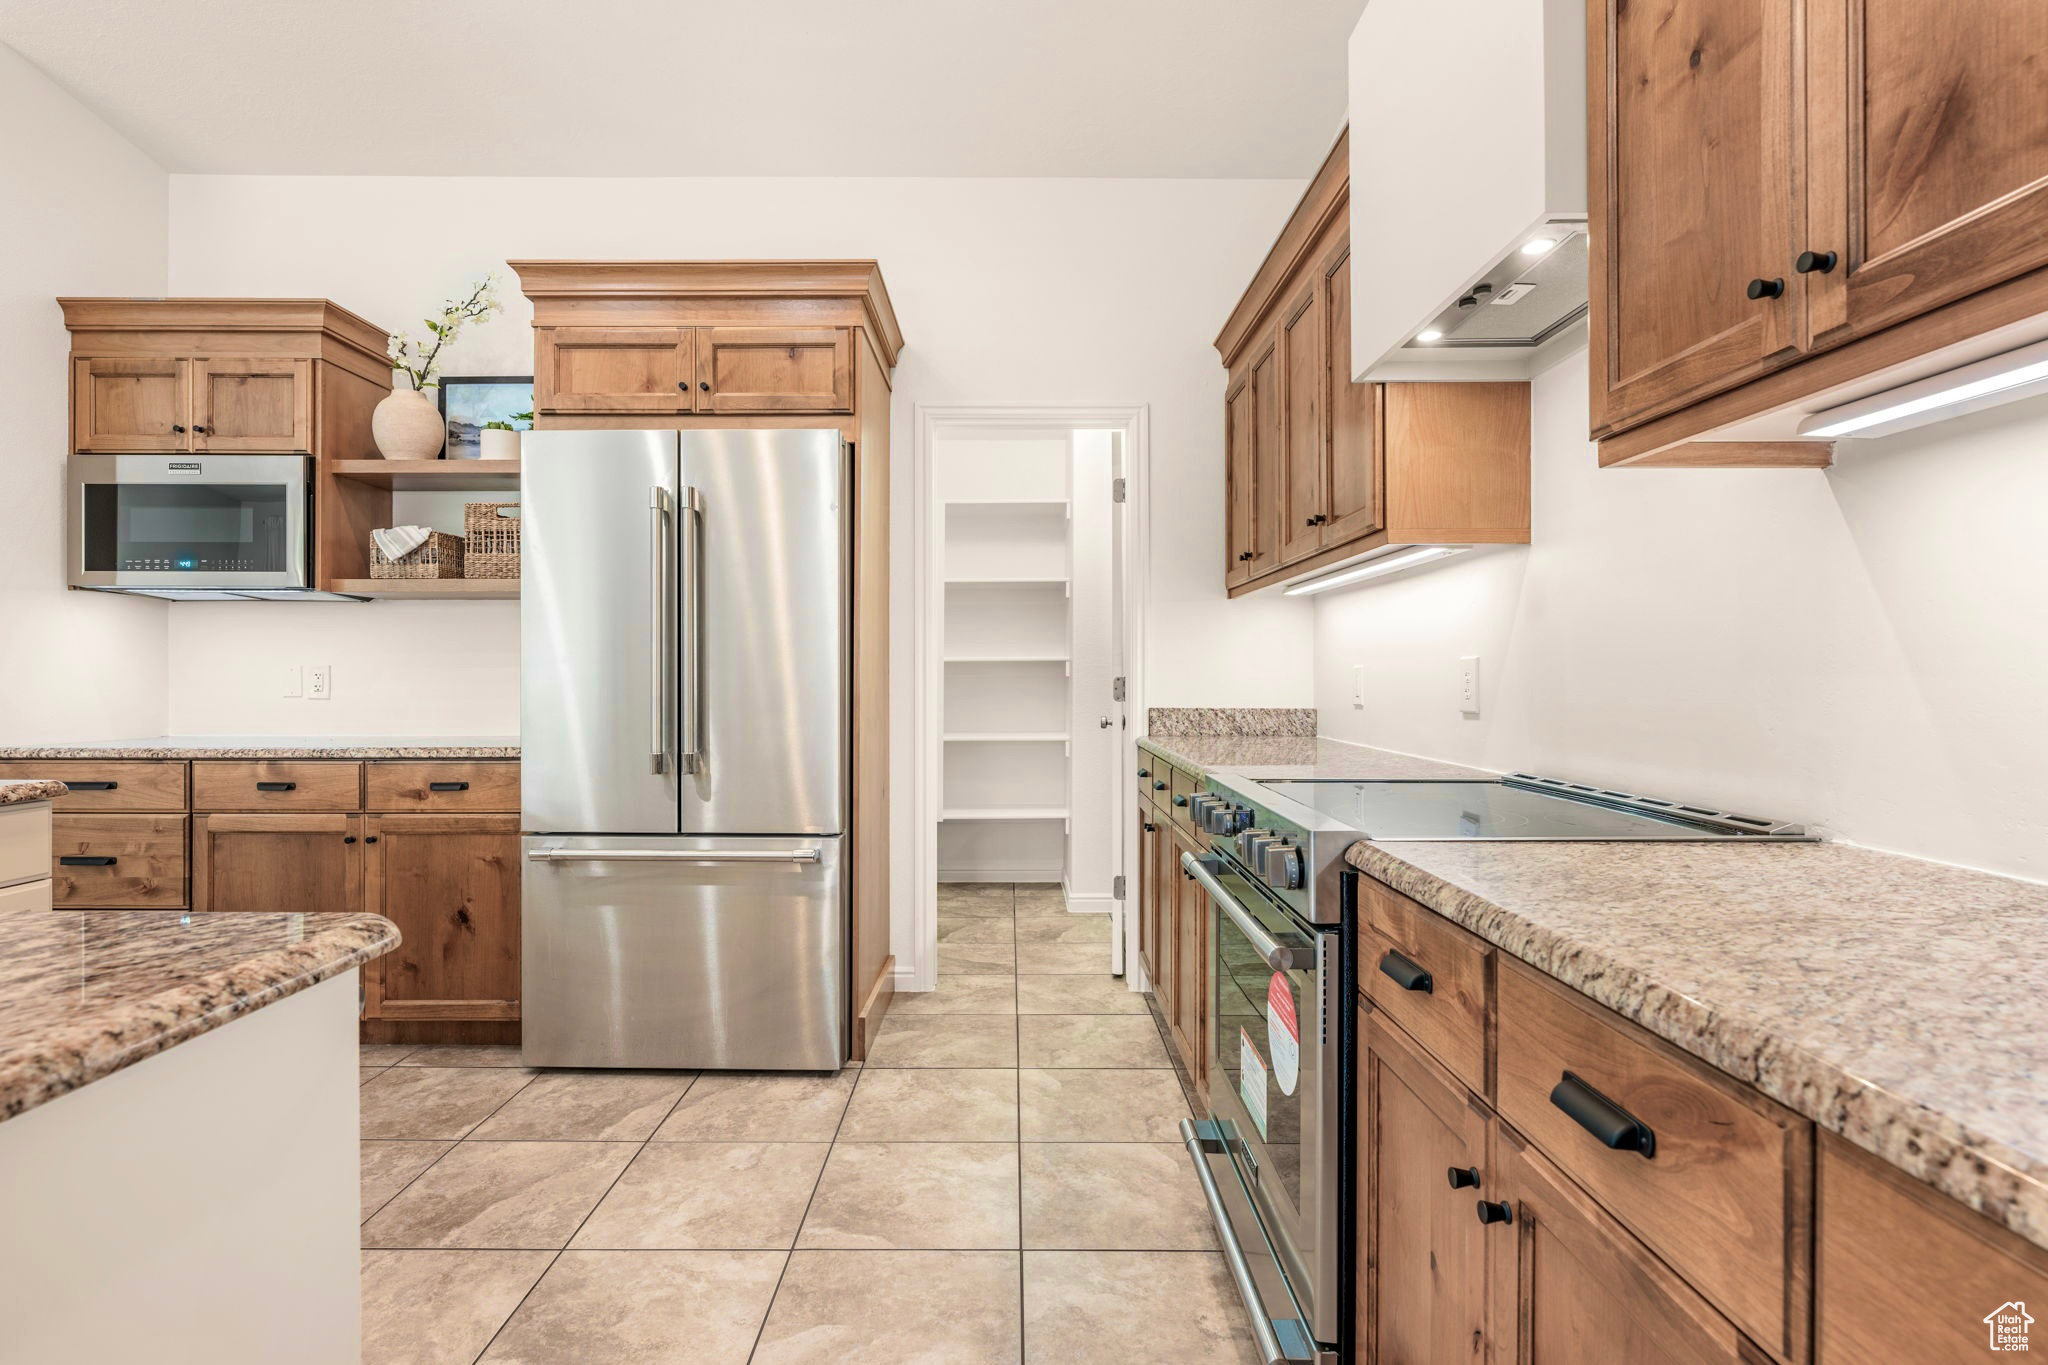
(663, 855)
(693, 628)
(657, 520)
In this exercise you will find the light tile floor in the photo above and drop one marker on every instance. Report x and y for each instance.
(1003, 1182)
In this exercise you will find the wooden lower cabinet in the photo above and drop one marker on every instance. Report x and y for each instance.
(273, 864)
(451, 885)
(1150, 837)
(1187, 1011)
(118, 862)
(1422, 1168)
(1569, 1285)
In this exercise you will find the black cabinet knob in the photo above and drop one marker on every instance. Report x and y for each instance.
(348, 838)
(1766, 289)
(177, 428)
(683, 384)
(1490, 1212)
(1811, 261)
(1244, 556)
(371, 840)
(198, 430)
(1464, 1177)
(1151, 828)
(704, 386)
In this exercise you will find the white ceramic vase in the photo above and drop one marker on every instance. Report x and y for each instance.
(407, 426)
(497, 445)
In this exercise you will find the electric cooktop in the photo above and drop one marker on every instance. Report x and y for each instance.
(1519, 806)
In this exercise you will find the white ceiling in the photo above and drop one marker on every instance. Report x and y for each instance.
(1201, 88)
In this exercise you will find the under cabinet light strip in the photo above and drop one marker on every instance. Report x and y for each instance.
(1987, 383)
(1393, 563)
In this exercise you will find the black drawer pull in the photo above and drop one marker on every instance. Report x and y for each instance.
(1157, 785)
(92, 786)
(1406, 974)
(1464, 1177)
(447, 786)
(74, 861)
(1144, 772)
(1180, 800)
(1496, 1213)
(1151, 828)
(277, 786)
(1602, 1117)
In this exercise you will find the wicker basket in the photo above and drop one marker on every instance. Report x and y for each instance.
(439, 557)
(493, 533)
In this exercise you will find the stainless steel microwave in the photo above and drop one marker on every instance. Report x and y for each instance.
(192, 525)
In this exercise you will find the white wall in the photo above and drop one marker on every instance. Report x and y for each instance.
(1860, 648)
(81, 212)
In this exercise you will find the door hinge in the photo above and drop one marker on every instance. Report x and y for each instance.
(1117, 489)
(1116, 690)
(1116, 886)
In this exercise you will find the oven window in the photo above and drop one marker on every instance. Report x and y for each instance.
(186, 528)
(1259, 1018)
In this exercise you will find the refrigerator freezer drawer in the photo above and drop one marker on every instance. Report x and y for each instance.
(685, 952)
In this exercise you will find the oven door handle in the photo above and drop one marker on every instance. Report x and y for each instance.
(1198, 1136)
(1279, 956)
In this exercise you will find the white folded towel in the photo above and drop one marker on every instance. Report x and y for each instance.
(399, 541)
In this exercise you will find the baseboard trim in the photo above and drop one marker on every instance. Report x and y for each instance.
(1090, 905)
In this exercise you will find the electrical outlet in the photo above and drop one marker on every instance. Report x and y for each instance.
(293, 681)
(1358, 687)
(1468, 684)
(319, 682)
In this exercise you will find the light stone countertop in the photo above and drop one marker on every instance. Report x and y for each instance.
(85, 993)
(276, 746)
(1280, 757)
(1900, 1003)
(21, 793)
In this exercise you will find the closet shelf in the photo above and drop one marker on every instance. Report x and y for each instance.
(1007, 737)
(1047, 579)
(1006, 502)
(1003, 813)
(1006, 658)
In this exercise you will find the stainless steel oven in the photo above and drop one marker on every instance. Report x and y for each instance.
(1272, 1155)
(172, 523)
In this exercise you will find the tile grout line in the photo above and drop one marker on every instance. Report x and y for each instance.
(570, 1239)
(437, 1160)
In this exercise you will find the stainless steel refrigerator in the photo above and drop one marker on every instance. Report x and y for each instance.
(684, 740)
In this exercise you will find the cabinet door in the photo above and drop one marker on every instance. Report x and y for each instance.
(1692, 180)
(1190, 966)
(1238, 480)
(1150, 836)
(1424, 1300)
(1265, 457)
(1568, 1285)
(304, 864)
(614, 369)
(252, 405)
(130, 405)
(1303, 376)
(451, 885)
(1356, 503)
(774, 369)
(1928, 172)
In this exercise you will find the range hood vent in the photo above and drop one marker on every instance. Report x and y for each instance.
(1524, 301)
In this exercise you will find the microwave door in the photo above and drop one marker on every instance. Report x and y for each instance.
(598, 618)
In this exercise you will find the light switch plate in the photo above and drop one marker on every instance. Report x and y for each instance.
(294, 683)
(1358, 687)
(1468, 684)
(319, 682)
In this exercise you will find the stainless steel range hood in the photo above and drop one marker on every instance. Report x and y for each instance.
(1532, 296)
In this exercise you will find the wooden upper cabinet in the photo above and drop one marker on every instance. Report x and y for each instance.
(451, 885)
(1569, 1285)
(1265, 457)
(774, 369)
(252, 405)
(615, 369)
(1238, 480)
(1304, 377)
(1928, 172)
(1424, 1298)
(1356, 504)
(121, 405)
(1691, 168)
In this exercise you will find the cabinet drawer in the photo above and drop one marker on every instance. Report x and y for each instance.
(118, 862)
(220, 785)
(1153, 784)
(29, 896)
(1725, 1195)
(24, 843)
(108, 784)
(1181, 786)
(1449, 974)
(441, 785)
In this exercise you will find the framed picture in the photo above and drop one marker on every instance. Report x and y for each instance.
(469, 401)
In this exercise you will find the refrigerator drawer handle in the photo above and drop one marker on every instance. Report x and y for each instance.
(1279, 956)
(657, 554)
(663, 855)
(693, 628)
(1200, 1138)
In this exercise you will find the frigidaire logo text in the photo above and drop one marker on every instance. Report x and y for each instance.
(184, 466)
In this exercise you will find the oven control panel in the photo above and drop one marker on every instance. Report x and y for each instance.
(1274, 857)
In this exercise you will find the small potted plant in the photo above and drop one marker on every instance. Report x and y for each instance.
(406, 424)
(500, 440)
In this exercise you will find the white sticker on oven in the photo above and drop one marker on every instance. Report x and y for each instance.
(1251, 1081)
(1283, 1033)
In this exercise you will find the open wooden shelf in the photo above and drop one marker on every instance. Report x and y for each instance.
(418, 476)
(453, 589)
